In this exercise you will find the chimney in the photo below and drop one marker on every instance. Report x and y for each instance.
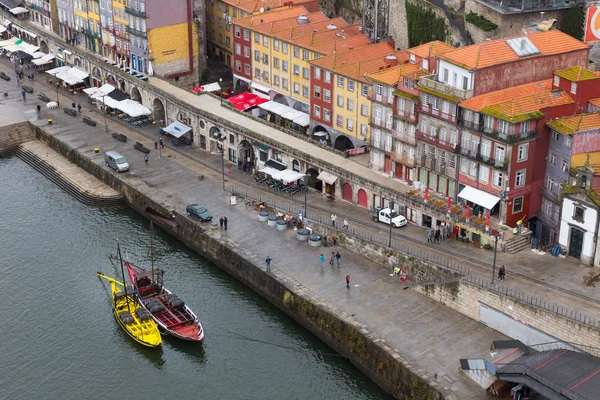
(391, 60)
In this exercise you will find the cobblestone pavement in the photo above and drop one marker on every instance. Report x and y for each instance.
(552, 279)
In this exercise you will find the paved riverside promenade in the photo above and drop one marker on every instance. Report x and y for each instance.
(548, 278)
(431, 336)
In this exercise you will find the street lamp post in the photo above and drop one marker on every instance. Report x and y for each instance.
(494, 264)
(305, 194)
(222, 151)
(104, 111)
(221, 92)
(391, 211)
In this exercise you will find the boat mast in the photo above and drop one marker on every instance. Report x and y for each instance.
(152, 256)
(123, 274)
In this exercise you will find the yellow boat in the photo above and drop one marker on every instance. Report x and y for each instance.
(135, 320)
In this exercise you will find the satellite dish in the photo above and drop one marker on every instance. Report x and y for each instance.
(262, 10)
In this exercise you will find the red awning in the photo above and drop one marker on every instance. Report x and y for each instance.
(246, 100)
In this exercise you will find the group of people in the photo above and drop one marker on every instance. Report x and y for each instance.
(223, 223)
(441, 232)
(334, 218)
(159, 143)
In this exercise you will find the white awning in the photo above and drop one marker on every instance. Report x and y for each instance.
(57, 70)
(287, 175)
(269, 171)
(72, 76)
(18, 10)
(10, 41)
(248, 81)
(91, 91)
(479, 197)
(327, 177)
(177, 129)
(260, 87)
(133, 108)
(109, 101)
(67, 52)
(38, 54)
(211, 87)
(47, 59)
(7, 22)
(320, 133)
(286, 112)
(102, 91)
(2, 29)
(303, 120)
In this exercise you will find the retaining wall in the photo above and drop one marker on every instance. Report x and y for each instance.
(364, 349)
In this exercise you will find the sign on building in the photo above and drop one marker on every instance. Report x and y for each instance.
(592, 24)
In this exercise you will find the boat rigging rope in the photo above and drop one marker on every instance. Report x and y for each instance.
(275, 344)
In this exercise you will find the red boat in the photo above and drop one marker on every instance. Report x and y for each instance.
(171, 314)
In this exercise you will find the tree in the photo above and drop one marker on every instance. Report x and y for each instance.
(572, 23)
(424, 25)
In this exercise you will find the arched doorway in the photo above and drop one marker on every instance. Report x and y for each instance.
(136, 95)
(122, 85)
(320, 133)
(96, 77)
(279, 98)
(347, 195)
(343, 143)
(111, 79)
(576, 242)
(246, 152)
(241, 86)
(159, 112)
(44, 47)
(296, 165)
(362, 198)
(312, 181)
(78, 62)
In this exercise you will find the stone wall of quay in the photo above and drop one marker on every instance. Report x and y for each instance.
(364, 349)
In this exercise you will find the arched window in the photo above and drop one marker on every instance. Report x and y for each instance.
(296, 165)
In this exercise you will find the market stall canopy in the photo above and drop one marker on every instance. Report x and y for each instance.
(91, 91)
(57, 70)
(2, 29)
(246, 100)
(47, 59)
(327, 177)
(479, 197)
(109, 101)
(133, 108)
(269, 171)
(8, 42)
(287, 176)
(211, 87)
(101, 91)
(177, 129)
(286, 112)
(18, 10)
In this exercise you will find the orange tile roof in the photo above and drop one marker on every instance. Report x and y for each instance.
(595, 102)
(359, 70)
(291, 31)
(576, 74)
(477, 103)
(341, 45)
(252, 6)
(371, 51)
(323, 41)
(575, 123)
(528, 107)
(494, 52)
(431, 49)
(291, 23)
(252, 20)
(393, 75)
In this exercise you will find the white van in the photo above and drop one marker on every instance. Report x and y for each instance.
(116, 161)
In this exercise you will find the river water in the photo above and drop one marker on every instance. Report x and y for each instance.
(59, 339)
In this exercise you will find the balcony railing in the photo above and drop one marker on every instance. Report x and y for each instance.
(451, 147)
(90, 33)
(431, 82)
(405, 115)
(135, 32)
(487, 160)
(403, 137)
(135, 12)
(426, 109)
(380, 123)
(121, 34)
(403, 159)
(506, 137)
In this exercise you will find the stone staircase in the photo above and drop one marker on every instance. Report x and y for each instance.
(518, 243)
(65, 184)
(11, 136)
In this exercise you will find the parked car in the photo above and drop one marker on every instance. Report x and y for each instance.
(383, 215)
(116, 161)
(198, 212)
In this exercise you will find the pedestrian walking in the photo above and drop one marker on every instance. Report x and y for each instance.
(268, 262)
(437, 235)
(33, 77)
(23, 94)
(73, 105)
(338, 258)
(155, 145)
(221, 223)
(321, 260)
(146, 158)
(429, 235)
(39, 110)
(345, 224)
(397, 271)
(160, 142)
(333, 218)
(79, 108)
(225, 223)
(348, 281)
(501, 273)
(332, 259)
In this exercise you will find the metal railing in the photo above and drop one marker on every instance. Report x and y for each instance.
(431, 82)
(135, 32)
(135, 12)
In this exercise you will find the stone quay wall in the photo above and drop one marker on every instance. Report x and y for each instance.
(365, 350)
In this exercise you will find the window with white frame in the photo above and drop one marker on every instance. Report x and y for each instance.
(276, 45)
(520, 178)
(365, 90)
(485, 148)
(568, 141)
(296, 70)
(484, 173)
(498, 179)
(340, 100)
(238, 32)
(488, 123)
(363, 129)
(452, 161)
(499, 153)
(421, 149)
(552, 158)
(284, 48)
(364, 110)
(578, 214)
(257, 73)
(350, 124)
(464, 165)
(473, 169)
(547, 208)
(522, 152)
(350, 105)
(275, 62)
(317, 73)
(564, 165)
(256, 55)
(351, 85)
(297, 88)
(379, 89)
(327, 77)
(317, 92)
(405, 82)
(517, 205)
(265, 41)
(431, 154)
(339, 120)
(305, 73)
(246, 35)
(376, 158)
(238, 49)
(502, 127)
(436, 103)
(317, 111)
(305, 91)
(327, 95)
(266, 59)
(247, 70)
(573, 87)
(326, 115)
(284, 83)
(556, 81)
(555, 135)
(238, 65)
(550, 183)
(445, 107)
(257, 38)
(247, 51)
(276, 80)
(305, 54)
(284, 65)
(340, 82)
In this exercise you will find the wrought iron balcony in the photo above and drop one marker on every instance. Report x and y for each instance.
(487, 160)
(506, 137)
(137, 13)
(430, 82)
(135, 32)
(381, 123)
(451, 147)
(91, 33)
(427, 109)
